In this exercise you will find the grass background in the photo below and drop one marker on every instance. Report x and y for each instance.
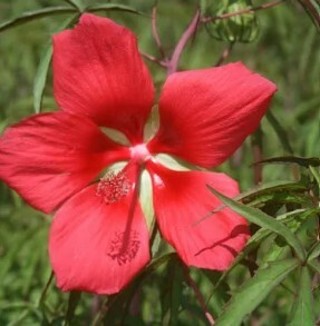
(286, 51)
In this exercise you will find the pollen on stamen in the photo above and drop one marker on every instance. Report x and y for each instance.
(124, 247)
(113, 187)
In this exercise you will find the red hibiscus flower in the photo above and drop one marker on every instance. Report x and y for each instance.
(99, 239)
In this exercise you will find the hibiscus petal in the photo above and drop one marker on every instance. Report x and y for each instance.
(98, 247)
(98, 72)
(206, 114)
(183, 206)
(48, 157)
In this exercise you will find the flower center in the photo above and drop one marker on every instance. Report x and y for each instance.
(112, 187)
(124, 246)
(140, 153)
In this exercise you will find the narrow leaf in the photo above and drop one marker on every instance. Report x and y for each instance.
(43, 68)
(252, 293)
(302, 161)
(74, 298)
(271, 188)
(40, 79)
(258, 195)
(315, 251)
(35, 14)
(315, 265)
(281, 133)
(256, 216)
(78, 4)
(171, 292)
(312, 8)
(111, 6)
(315, 172)
(302, 312)
(45, 290)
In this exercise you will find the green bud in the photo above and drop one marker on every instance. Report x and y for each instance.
(238, 28)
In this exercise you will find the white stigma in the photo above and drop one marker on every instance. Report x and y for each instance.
(140, 153)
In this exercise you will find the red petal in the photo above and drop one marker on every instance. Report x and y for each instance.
(183, 204)
(48, 157)
(206, 114)
(98, 247)
(98, 72)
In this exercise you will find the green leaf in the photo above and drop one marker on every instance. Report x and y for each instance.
(252, 293)
(40, 79)
(315, 251)
(270, 188)
(35, 14)
(45, 289)
(43, 68)
(315, 172)
(220, 293)
(282, 192)
(281, 132)
(111, 6)
(312, 8)
(118, 304)
(78, 4)
(302, 161)
(261, 194)
(171, 293)
(74, 298)
(302, 312)
(315, 265)
(296, 217)
(265, 221)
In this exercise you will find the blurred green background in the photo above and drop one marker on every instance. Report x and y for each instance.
(286, 50)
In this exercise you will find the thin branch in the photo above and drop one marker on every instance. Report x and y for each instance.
(198, 295)
(188, 33)
(312, 11)
(155, 32)
(242, 11)
(154, 59)
(256, 145)
(225, 54)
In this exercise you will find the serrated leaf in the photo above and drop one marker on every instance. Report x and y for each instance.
(270, 188)
(35, 14)
(256, 239)
(278, 195)
(43, 68)
(253, 291)
(263, 220)
(302, 161)
(302, 312)
(112, 6)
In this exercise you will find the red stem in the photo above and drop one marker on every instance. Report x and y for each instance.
(188, 33)
(155, 32)
(198, 295)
